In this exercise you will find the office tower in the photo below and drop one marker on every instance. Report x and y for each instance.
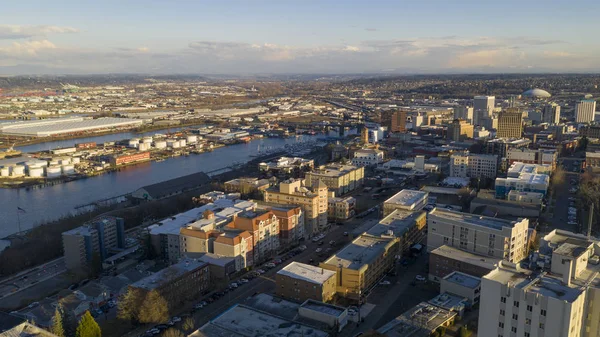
(510, 124)
(551, 113)
(585, 111)
(483, 106)
(398, 122)
(464, 112)
(460, 130)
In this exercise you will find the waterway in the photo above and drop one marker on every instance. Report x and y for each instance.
(49, 203)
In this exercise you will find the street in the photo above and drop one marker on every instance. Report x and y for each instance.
(31, 277)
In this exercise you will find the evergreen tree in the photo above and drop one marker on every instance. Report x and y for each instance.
(88, 327)
(57, 327)
(154, 309)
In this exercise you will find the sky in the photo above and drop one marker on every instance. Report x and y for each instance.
(298, 36)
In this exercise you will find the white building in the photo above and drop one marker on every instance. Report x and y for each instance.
(472, 165)
(585, 111)
(525, 197)
(561, 301)
(482, 235)
(526, 182)
(483, 106)
(405, 200)
(551, 113)
(366, 157)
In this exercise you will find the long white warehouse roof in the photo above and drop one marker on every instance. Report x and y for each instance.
(57, 127)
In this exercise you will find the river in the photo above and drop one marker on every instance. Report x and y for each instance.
(52, 202)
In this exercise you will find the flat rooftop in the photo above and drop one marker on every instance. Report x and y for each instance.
(396, 223)
(487, 262)
(472, 219)
(324, 308)
(448, 301)
(333, 170)
(406, 198)
(362, 251)
(463, 279)
(240, 320)
(166, 275)
(429, 315)
(542, 284)
(306, 272)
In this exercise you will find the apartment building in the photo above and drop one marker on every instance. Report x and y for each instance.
(459, 130)
(482, 235)
(339, 178)
(291, 224)
(264, 228)
(178, 283)
(407, 226)
(472, 165)
(446, 259)
(300, 282)
(408, 200)
(500, 146)
(96, 237)
(398, 121)
(532, 156)
(464, 112)
(510, 124)
(246, 185)
(340, 209)
(312, 200)
(585, 110)
(367, 157)
(562, 300)
(194, 243)
(238, 245)
(360, 264)
(525, 182)
(551, 113)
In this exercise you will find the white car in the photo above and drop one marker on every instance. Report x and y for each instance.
(385, 283)
(318, 250)
(270, 265)
(303, 247)
(233, 285)
(420, 278)
(243, 280)
(260, 271)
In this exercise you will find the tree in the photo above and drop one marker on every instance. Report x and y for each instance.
(88, 327)
(57, 326)
(188, 324)
(154, 309)
(129, 305)
(172, 332)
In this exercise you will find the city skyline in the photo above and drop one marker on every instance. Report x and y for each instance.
(237, 37)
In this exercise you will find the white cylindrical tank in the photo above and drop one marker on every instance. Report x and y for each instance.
(36, 172)
(54, 162)
(147, 140)
(191, 139)
(68, 169)
(65, 161)
(134, 142)
(18, 170)
(161, 144)
(76, 160)
(53, 171)
(5, 171)
(172, 143)
(182, 142)
(144, 146)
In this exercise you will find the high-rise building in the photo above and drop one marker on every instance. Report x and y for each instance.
(510, 124)
(473, 165)
(483, 106)
(551, 113)
(464, 112)
(364, 135)
(499, 238)
(585, 111)
(398, 122)
(460, 130)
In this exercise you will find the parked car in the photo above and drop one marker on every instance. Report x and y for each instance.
(420, 278)
(318, 250)
(385, 283)
(243, 280)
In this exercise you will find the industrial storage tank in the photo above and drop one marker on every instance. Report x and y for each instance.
(68, 169)
(54, 162)
(160, 144)
(18, 170)
(191, 139)
(64, 161)
(53, 171)
(36, 172)
(147, 140)
(76, 160)
(36, 163)
(5, 171)
(172, 143)
(134, 142)
(144, 146)
(182, 142)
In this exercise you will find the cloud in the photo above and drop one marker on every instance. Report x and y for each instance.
(15, 32)
(371, 29)
(28, 48)
(143, 49)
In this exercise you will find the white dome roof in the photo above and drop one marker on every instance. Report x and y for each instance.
(538, 93)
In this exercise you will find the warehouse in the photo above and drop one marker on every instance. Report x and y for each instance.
(49, 128)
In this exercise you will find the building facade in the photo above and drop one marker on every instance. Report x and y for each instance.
(464, 112)
(460, 130)
(445, 260)
(585, 111)
(339, 178)
(551, 113)
(398, 121)
(483, 107)
(340, 209)
(510, 124)
(407, 200)
(532, 156)
(291, 224)
(482, 235)
(472, 165)
(238, 245)
(367, 157)
(264, 228)
(300, 282)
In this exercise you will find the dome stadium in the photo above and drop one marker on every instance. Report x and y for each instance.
(536, 93)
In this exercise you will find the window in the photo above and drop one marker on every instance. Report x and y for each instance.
(527, 334)
(541, 325)
(503, 299)
(528, 321)
(502, 312)
(529, 308)
(513, 329)
(501, 324)
(543, 312)
(515, 316)
(516, 304)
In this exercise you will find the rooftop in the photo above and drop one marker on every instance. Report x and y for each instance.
(466, 257)
(360, 252)
(407, 198)
(449, 301)
(472, 219)
(242, 321)
(463, 279)
(324, 308)
(396, 223)
(26, 329)
(333, 170)
(306, 272)
(419, 321)
(166, 275)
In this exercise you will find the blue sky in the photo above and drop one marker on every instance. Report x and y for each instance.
(299, 36)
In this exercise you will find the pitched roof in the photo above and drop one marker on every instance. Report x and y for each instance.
(177, 185)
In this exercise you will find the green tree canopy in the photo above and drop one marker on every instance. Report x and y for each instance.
(88, 327)
(129, 305)
(154, 309)
(57, 326)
